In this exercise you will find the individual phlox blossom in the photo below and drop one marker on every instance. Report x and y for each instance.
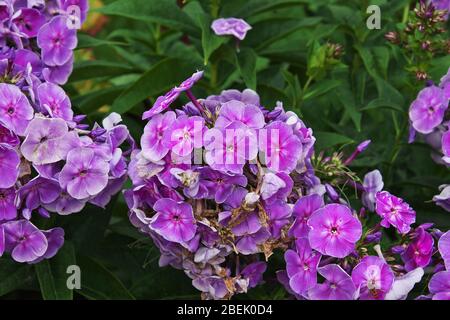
(279, 213)
(8, 137)
(44, 139)
(281, 148)
(15, 110)
(185, 134)
(39, 191)
(152, 144)
(254, 273)
(301, 266)
(85, 174)
(427, 111)
(395, 212)
(54, 101)
(220, 186)
(9, 166)
(302, 211)
(8, 209)
(234, 110)
(338, 285)
(57, 41)
(334, 230)
(443, 199)
(28, 21)
(419, 251)
(81, 5)
(374, 277)
(404, 284)
(174, 221)
(231, 26)
(440, 286)
(250, 234)
(373, 183)
(164, 102)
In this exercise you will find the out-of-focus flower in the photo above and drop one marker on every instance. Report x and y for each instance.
(440, 286)
(428, 110)
(231, 26)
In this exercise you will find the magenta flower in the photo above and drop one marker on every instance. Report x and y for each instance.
(374, 277)
(8, 210)
(427, 111)
(25, 242)
(334, 230)
(282, 148)
(84, 175)
(303, 209)
(338, 285)
(54, 101)
(15, 110)
(185, 134)
(152, 140)
(234, 110)
(44, 139)
(9, 167)
(231, 26)
(395, 212)
(164, 102)
(301, 266)
(444, 248)
(250, 234)
(29, 21)
(227, 150)
(174, 221)
(279, 213)
(57, 41)
(419, 251)
(8, 137)
(440, 286)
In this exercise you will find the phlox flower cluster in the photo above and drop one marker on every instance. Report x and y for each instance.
(429, 118)
(49, 161)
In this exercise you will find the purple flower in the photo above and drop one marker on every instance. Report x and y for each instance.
(83, 6)
(185, 134)
(174, 221)
(282, 148)
(39, 191)
(250, 234)
(374, 277)
(58, 74)
(373, 183)
(8, 137)
(44, 141)
(65, 205)
(54, 101)
(443, 199)
(254, 273)
(444, 249)
(25, 242)
(152, 139)
(57, 41)
(8, 210)
(334, 230)
(440, 285)
(234, 110)
(303, 209)
(164, 102)
(338, 285)
(276, 186)
(395, 212)
(419, 251)
(55, 240)
(85, 174)
(279, 213)
(220, 186)
(301, 266)
(29, 21)
(227, 150)
(427, 111)
(15, 110)
(9, 167)
(231, 26)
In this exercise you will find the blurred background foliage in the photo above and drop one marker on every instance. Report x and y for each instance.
(317, 56)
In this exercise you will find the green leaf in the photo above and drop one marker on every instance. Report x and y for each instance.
(330, 139)
(210, 41)
(164, 12)
(294, 89)
(52, 274)
(97, 282)
(246, 61)
(382, 103)
(13, 275)
(86, 70)
(321, 88)
(162, 76)
(86, 41)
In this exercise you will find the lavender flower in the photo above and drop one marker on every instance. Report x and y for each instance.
(231, 26)
(15, 110)
(338, 285)
(427, 111)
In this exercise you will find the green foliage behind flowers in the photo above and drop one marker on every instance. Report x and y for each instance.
(317, 56)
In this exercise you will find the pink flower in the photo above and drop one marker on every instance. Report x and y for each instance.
(185, 134)
(152, 144)
(395, 212)
(231, 26)
(419, 251)
(334, 230)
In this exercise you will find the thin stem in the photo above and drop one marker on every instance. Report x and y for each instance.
(195, 101)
